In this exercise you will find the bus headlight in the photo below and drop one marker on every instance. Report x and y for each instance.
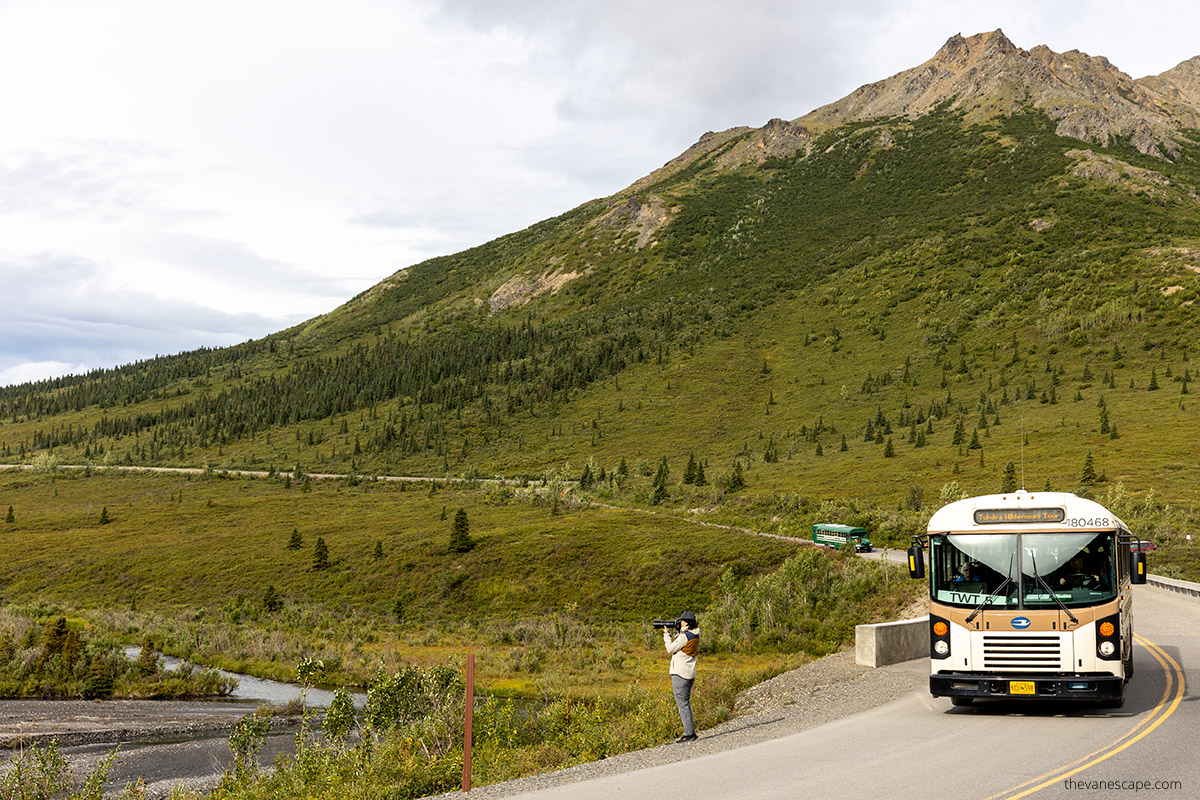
(942, 647)
(1108, 637)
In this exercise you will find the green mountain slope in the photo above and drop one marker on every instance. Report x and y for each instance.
(760, 300)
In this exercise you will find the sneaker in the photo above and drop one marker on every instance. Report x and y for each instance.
(691, 738)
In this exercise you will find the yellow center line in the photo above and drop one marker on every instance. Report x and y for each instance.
(1174, 675)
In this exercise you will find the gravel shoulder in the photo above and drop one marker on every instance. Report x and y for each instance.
(817, 693)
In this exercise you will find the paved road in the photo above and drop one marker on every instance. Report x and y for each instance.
(921, 747)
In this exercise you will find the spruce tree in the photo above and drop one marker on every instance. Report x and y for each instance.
(53, 636)
(320, 554)
(664, 472)
(272, 602)
(296, 541)
(736, 479)
(99, 681)
(104, 520)
(10, 517)
(1009, 481)
(689, 472)
(72, 647)
(1088, 476)
(378, 554)
(147, 660)
(889, 450)
(460, 533)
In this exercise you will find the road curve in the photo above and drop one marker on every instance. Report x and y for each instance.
(922, 747)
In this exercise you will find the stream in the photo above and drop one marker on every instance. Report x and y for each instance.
(259, 690)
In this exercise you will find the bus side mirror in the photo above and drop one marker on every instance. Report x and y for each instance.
(916, 562)
(1137, 567)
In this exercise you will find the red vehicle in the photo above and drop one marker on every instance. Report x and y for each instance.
(1142, 546)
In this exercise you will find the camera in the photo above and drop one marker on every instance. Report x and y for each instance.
(665, 623)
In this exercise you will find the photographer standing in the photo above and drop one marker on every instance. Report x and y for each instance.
(683, 650)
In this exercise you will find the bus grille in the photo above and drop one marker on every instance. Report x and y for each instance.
(1021, 652)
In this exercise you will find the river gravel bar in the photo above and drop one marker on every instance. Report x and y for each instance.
(78, 722)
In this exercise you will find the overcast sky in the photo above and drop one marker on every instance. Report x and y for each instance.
(181, 174)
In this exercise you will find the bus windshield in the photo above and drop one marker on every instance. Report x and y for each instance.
(1075, 569)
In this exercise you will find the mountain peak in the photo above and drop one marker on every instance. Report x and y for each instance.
(958, 50)
(986, 75)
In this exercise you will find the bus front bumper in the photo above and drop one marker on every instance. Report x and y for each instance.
(1027, 687)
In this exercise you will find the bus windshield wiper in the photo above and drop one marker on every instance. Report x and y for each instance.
(1049, 591)
(998, 590)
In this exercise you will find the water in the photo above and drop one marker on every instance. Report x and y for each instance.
(260, 690)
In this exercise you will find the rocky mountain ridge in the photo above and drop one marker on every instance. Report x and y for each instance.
(986, 75)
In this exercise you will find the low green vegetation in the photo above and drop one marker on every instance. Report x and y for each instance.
(43, 772)
(58, 660)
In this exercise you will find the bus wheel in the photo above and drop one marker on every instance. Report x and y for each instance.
(961, 701)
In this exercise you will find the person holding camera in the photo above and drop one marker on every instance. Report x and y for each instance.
(683, 649)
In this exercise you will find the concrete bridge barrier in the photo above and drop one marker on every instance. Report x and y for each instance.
(891, 642)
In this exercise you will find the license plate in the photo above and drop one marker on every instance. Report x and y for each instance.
(1021, 687)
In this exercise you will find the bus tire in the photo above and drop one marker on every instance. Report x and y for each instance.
(961, 701)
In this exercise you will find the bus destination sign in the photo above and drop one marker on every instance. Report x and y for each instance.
(1000, 516)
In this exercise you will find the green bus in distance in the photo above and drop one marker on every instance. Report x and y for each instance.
(835, 536)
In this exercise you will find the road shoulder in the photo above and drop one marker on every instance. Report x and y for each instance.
(820, 692)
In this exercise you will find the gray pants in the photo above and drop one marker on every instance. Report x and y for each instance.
(683, 699)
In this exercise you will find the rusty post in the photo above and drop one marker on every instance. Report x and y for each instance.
(470, 714)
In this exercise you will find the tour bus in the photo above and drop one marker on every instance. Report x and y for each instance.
(1029, 598)
(835, 536)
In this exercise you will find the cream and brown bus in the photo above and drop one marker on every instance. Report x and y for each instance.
(1029, 598)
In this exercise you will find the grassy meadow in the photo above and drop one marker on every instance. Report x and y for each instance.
(551, 591)
(554, 599)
